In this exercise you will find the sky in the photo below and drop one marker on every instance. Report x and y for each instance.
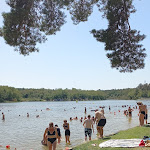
(73, 58)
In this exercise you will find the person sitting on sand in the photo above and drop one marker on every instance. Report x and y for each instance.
(101, 121)
(67, 131)
(146, 114)
(3, 116)
(71, 119)
(88, 124)
(50, 137)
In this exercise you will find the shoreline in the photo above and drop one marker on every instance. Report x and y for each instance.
(131, 133)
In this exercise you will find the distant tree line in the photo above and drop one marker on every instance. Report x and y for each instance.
(21, 94)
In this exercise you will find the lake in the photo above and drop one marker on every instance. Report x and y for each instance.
(24, 133)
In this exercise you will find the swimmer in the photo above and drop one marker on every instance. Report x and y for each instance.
(85, 110)
(50, 137)
(88, 125)
(27, 114)
(76, 118)
(37, 116)
(67, 131)
(3, 116)
(109, 108)
(71, 119)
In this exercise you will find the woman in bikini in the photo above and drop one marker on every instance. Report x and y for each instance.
(50, 136)
(67, 131)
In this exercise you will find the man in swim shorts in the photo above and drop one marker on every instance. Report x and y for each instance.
(101, 121)
(88, 124)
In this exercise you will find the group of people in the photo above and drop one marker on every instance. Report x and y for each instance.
(52, 133)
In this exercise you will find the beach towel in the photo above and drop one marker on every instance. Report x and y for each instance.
(121, 143)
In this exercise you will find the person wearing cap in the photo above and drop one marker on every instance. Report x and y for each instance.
(59, 133)
(142, 110)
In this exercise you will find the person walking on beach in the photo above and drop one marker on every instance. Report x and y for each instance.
(101, 121)
(67, 131)
(146, 114)
(85, 110)
(88, 124)
(50, 136)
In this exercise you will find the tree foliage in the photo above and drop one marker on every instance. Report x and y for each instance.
(30, 21)
(22, 94)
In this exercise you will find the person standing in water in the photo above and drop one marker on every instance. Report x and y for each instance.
(142, 110)
(101, 121)
(59, 133)
(50, 137)
(88, 124)
(67, 131)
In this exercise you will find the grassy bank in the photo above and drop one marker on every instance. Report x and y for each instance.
(137, 132)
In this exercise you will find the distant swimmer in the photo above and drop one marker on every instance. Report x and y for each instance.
(102, 110)
(27, 114)
(67, 131)
(37, 116)
(88, 125)
(3, 116)
(109, 108)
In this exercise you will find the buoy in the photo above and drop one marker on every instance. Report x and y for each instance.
(8, 146)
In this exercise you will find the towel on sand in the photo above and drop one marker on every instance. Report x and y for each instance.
(121, 143)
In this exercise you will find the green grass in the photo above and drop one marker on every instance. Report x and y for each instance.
(137, 132)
